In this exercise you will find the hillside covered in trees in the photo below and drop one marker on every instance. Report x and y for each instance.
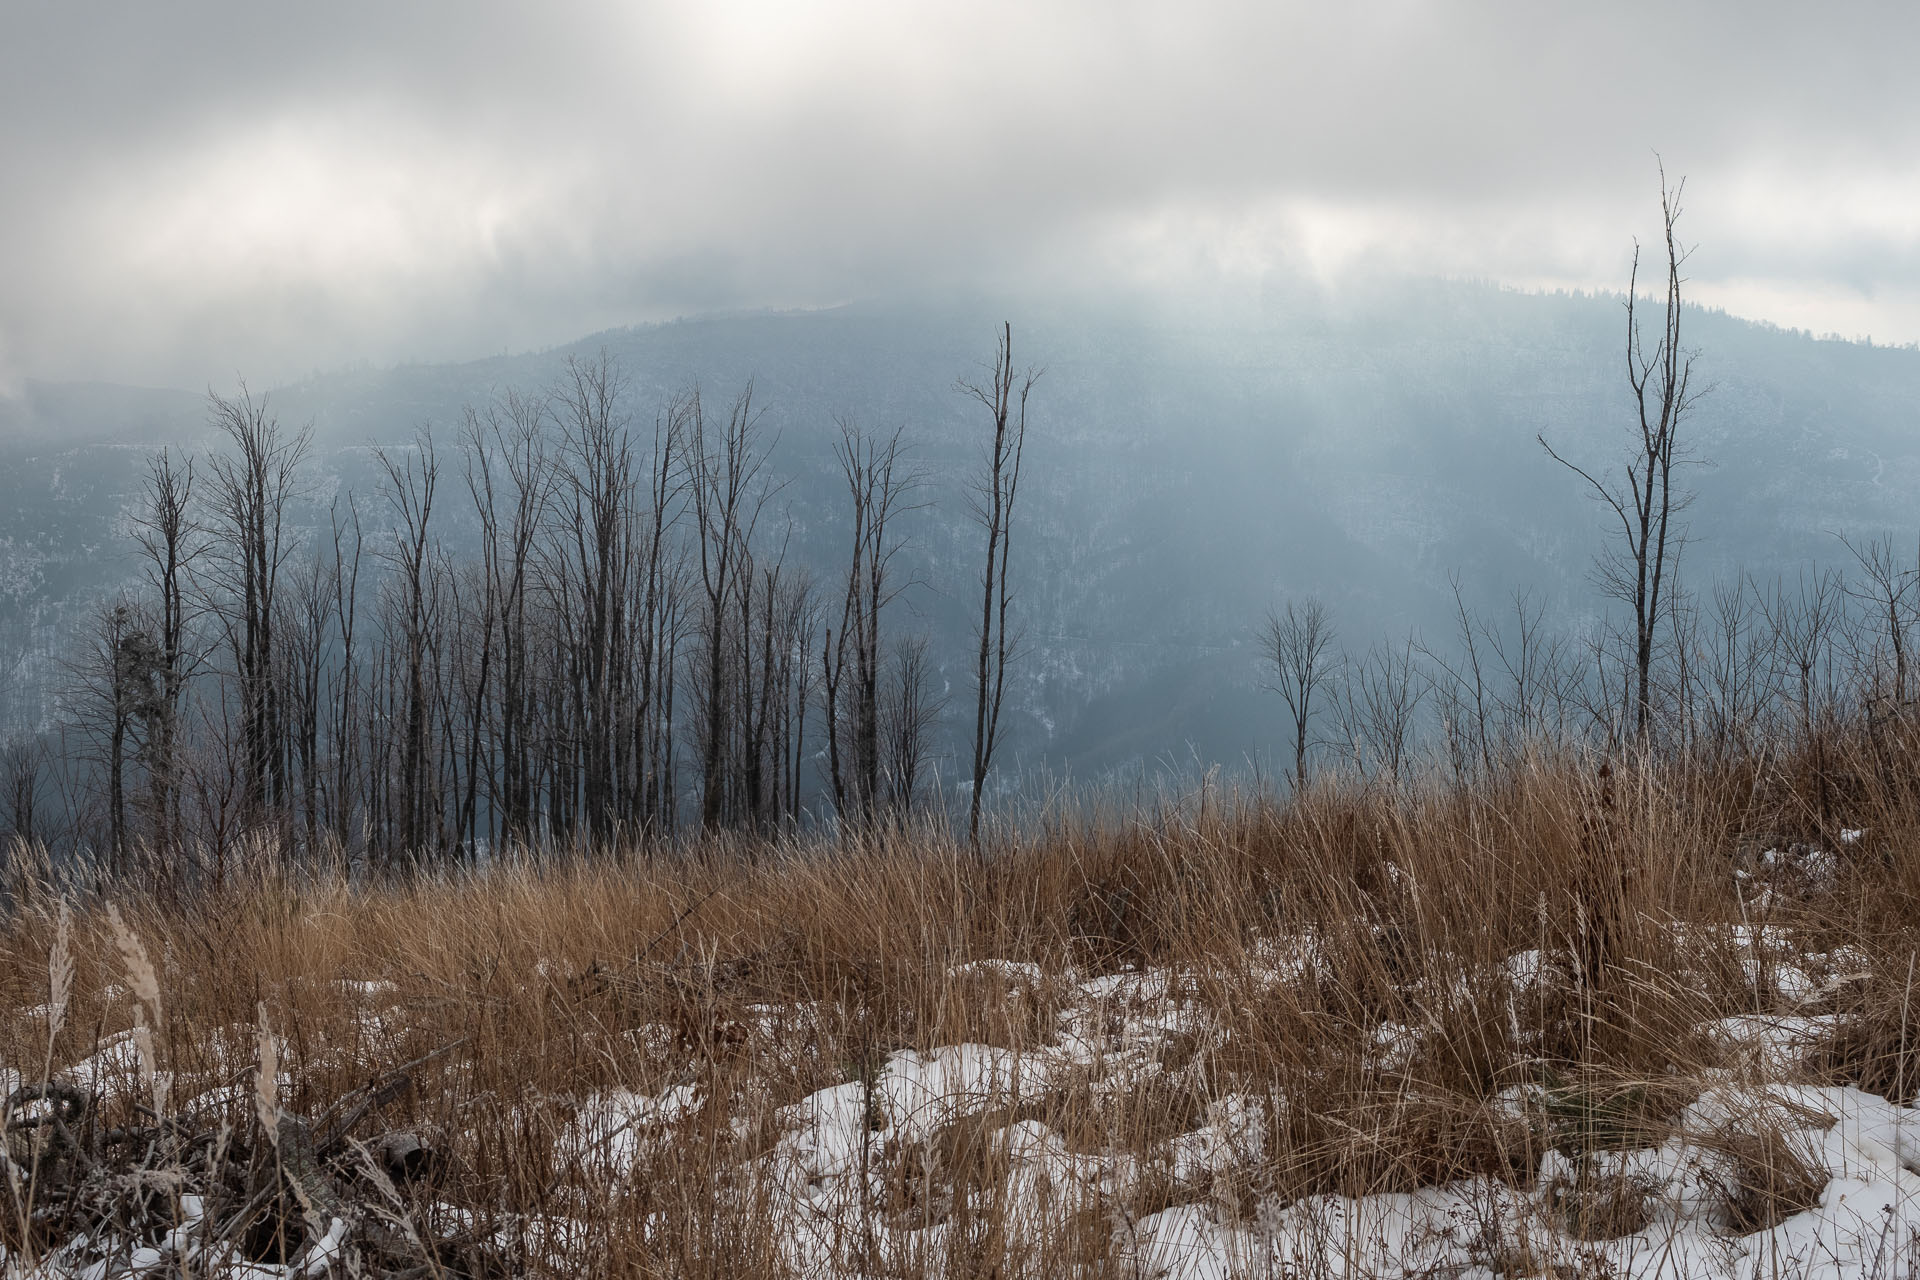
(487, 599)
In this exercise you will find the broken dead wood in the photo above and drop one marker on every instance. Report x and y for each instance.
(306, 1195)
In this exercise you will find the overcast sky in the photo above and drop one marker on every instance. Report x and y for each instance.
(194, 189)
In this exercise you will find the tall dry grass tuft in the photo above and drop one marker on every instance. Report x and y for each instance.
(1401, 986)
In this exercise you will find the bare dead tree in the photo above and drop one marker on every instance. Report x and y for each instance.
(460, 657)
(1887, 592)
(727, 494)
(170, 541)
(777, 639)
(117, 685)
(411, 479)
(1457, 683)
(879, 486)
(1604, 692)
(510, 477)
(798, 677)
(311, 593)
(1381, 698)
(348, 686)
(909, 710)
(1733, 661)
(658, 623)
(1299, 647)
(1636, 568)
(1536, 675)
(596, 534)
(1004, 397)
(1804, 623)
(1686, 625)
(127, 651)
(751, 700)
(248, 545)
(774, 640)
(21, 764)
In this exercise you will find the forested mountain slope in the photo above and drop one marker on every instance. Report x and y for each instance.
(1189, 466)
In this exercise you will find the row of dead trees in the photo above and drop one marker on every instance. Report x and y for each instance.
(1712, 676)
(1742, 668)
(571, 628)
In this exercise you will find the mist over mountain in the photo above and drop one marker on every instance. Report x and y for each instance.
(1188, 468)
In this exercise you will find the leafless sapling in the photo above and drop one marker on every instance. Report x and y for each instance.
(1299, 642)
(909, 710)
(1804, 623)
(1004, 396)
(1636, 567)
(1887, 592)
(1537, 672)
(1381, 698)
(117, 684)
(20, 769)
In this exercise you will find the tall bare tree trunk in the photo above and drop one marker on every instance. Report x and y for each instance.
(251, 490)
(170, 543)
(1637, 568)
(879, 485)
(1299, 641)
(412, 478)
(727, 498)
(1005, 399)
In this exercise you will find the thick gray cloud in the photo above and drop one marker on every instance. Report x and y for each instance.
(195, 189)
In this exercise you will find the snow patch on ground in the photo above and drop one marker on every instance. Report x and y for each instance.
(851, 1171)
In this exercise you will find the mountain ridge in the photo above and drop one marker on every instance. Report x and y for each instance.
(1187, 471)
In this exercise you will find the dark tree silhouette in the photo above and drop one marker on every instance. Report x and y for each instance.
(1299, 641)
(1004, 396)
(248, 546)
(1637, 567)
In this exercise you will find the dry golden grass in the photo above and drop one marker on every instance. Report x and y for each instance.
(757, 977)
(1767, 1179)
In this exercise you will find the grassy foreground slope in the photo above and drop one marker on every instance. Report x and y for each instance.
(1571, 1017)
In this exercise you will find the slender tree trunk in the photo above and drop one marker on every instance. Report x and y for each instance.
(1005, 399)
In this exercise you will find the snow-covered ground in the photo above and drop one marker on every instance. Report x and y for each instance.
(839, 1146)
(849, 1179)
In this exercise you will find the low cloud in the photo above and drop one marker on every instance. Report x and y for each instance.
(207, 188)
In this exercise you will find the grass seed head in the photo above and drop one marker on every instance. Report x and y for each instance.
(266, 1081)
(141, 978)
(60, 972)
